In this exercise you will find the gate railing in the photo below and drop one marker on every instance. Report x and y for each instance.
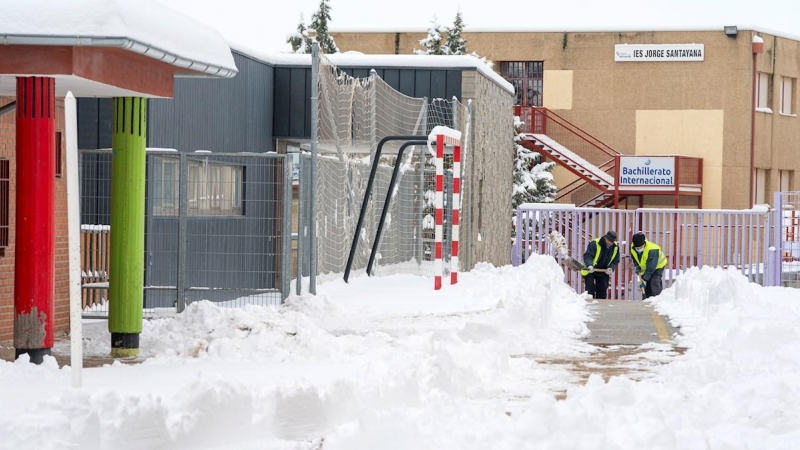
(217, 227)
(739, 239)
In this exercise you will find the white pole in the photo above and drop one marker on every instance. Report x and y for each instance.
(74, 230)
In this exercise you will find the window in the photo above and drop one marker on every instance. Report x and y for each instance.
(527, 78)
(784, 180)
(787, 95)
(212, 189)
(237, 187)
(5, 200)
(761, 187)
(165, 186)
(215, 189)
(59, 156)
(763, 96)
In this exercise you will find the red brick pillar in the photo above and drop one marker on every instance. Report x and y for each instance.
(34, 271)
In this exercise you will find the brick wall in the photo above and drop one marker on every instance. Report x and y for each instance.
(8, 150)
(491, 170)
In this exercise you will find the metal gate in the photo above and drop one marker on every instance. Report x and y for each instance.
(688, 237)
(218, 228)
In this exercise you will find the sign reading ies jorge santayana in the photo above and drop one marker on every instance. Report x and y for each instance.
(658, 52)
(647, 171)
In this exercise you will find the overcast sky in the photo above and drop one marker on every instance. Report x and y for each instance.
(263, 24)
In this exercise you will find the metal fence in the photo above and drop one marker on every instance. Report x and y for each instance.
(688, 237)
(218, 228)
(786, 241)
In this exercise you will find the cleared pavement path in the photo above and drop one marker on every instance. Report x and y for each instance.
(627, 322)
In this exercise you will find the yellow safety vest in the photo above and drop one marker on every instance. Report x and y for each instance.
(597, 255)
(648, 246)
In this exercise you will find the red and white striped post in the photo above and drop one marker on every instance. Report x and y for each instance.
(438, 202)
(456, 208)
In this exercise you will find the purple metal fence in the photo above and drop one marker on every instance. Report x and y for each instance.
(688, 237)
(785, 252)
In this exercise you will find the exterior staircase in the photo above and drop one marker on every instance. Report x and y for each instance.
(592, 161)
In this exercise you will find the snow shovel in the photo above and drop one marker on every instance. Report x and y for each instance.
(558, 241)
(639, 276)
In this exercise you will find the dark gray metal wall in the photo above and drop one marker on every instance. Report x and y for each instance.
(224, 116)
(293, 92)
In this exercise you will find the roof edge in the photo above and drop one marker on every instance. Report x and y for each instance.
(135, 46)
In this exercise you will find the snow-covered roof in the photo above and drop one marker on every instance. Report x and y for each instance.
(355, 59)
(141, 26)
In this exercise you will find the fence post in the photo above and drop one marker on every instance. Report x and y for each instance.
(423, 158)
(467, 176)
(286, 226)
(312, 286)
(183, 211)
(301, 222)
(777, 243)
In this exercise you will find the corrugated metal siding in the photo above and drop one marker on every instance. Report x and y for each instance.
(224, 116)
(292, 110)
(94, 123)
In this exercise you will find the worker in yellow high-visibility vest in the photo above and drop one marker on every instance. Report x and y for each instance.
(600, 259)
(649, 262)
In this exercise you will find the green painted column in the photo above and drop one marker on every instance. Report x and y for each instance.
(126, 277)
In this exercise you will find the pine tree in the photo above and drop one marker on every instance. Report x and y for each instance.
(299, 40)
(319, 23)
(456, 44)
(533, 180)
(432, 44)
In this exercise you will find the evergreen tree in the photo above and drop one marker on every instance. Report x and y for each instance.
(432, 44)
(319, 23)
(533, 180)
(456, 44)
(299, 40)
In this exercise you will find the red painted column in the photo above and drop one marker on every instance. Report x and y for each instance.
(34, 270)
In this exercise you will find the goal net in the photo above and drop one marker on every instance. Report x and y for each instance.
(354, 115)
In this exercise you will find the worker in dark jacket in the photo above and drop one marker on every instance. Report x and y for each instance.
(601, 259)
(649, 262)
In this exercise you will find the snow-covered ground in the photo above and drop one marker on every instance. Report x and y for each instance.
(388, 363)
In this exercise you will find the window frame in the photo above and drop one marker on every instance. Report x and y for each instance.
(527, 77)
(787, 106)
(764, 92)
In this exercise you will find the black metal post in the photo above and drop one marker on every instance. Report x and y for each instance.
(364, 203)
(385, 210)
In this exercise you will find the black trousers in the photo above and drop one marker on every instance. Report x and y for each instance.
(597, 285)
(655, 284)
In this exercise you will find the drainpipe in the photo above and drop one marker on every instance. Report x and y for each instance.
(758, 47)
(5, 109)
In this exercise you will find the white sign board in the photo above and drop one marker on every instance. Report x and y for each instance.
(659, 52)
(651, 171)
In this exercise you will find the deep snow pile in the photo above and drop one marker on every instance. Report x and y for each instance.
(388, 363)
(327, 365)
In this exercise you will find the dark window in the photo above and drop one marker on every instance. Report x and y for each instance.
(5, 186)
(527, 80)
(59, 155)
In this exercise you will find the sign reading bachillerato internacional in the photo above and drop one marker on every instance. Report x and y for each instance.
(658, 52)
(647, 171)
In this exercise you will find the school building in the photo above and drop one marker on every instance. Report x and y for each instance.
(698, 94)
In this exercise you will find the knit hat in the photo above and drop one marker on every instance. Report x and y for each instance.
(611, 236)
(638, 240)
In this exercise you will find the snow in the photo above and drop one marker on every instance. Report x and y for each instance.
(87, 227)
(357, 365)
(444, 131)
(593, 169)
(386, 362)
(144, 21)
(758, 40)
